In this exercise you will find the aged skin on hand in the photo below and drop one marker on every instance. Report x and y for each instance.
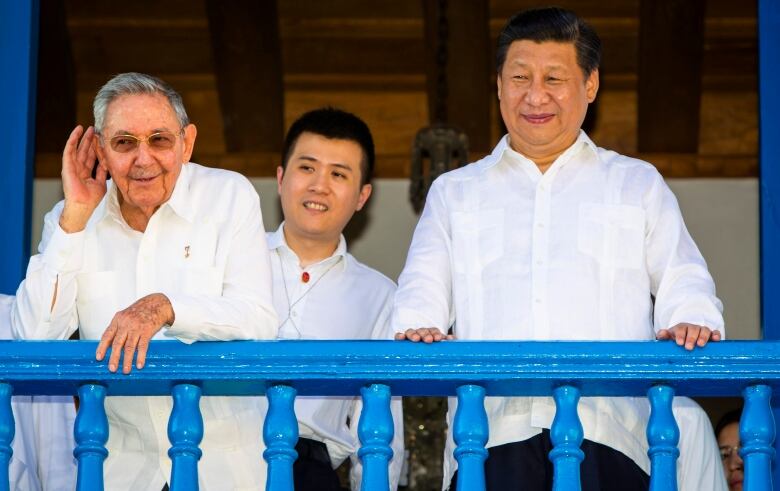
(133, 328)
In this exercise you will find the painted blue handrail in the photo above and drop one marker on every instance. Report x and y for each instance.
(341, 368)
(470, 370)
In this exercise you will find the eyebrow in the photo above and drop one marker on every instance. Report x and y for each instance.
(125, 132)
(339, 165)
(554, 66)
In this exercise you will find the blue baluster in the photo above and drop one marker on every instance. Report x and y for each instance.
(185, 431)
(470, 432)
(566, 435)
(756, 434)
(662, 438)
(7, 430)
(280, 433)
(375, 430)
(91, 434)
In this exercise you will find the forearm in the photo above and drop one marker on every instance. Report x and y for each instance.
(45, 306)
(213, 318)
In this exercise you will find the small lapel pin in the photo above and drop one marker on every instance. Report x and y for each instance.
(186, 251)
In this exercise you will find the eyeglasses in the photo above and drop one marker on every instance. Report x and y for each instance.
(162, 140)
(726, 452)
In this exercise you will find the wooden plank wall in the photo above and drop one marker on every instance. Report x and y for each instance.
(370, 58)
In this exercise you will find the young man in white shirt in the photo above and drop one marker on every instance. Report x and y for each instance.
(165, 249)
(553, 238)
(320, 290)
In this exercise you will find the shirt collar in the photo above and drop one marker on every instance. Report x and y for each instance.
(277, 242)
(179, 201)
(503, 147)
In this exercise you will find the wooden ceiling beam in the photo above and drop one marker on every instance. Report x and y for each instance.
(671, 41)
(248, 71)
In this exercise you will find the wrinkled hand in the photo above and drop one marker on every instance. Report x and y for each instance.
(424, 334)
(132, 328)
(689, 334)
(82, 192)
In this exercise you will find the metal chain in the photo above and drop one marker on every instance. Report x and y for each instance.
(442, 58)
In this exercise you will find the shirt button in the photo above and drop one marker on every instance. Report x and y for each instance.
(538, 300)
(539, 262)
(295, 314)
(540, 225)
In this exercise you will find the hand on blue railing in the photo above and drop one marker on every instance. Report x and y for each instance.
(689, 335)
(424, 334)
(132, 328)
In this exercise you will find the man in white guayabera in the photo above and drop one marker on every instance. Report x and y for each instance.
(164, 249)
(320, 290)
(551, 237)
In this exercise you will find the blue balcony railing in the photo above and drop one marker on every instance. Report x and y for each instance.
(376, 369)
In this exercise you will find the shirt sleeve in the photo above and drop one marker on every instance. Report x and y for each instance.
(680, 282)
(45, 305)
(245, 308)
(424, 295)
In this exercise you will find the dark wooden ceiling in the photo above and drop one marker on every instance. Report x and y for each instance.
(679, 84)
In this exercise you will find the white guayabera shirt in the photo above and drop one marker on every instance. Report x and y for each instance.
(341, 299)
(205, 250)
(593, 249)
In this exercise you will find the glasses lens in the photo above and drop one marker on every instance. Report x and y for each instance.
(162, 141)
(124, 143)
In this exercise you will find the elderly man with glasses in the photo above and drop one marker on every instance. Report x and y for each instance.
(164, 249)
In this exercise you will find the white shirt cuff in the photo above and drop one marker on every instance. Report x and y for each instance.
(65, 252)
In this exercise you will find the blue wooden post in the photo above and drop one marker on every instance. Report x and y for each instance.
(566, 435)
(185, 431)
(91, 434)
(7, 429)
(470, 432)
(756, 435)
(769, 165)
(280, 433)
(662, 438)
(375, 430)
(18, 64)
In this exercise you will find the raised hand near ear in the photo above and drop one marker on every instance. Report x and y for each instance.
(82, 191)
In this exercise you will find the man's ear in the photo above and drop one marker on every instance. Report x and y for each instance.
(279, 176)
(100, 152)
(592, 85)
(190, 133)
(498, 85)
(365, 192)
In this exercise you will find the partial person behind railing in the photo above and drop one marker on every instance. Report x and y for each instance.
(165, 249)
(320, 290)
(727, 433)
(42, 457)
(553, 238)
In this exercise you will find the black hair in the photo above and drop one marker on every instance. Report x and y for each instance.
(552, 24)
(728, 418)
(334, 124)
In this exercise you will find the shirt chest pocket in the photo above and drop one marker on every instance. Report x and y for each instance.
(614, 235)
(477, 239)
(96, 302)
